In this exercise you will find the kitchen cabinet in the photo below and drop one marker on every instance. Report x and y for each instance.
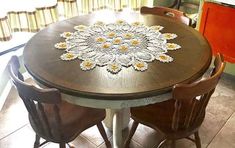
(218, 26)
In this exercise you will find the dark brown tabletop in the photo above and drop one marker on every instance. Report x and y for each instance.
(42, 61)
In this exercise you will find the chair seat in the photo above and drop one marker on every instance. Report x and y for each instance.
(158, 115)
(74, 120)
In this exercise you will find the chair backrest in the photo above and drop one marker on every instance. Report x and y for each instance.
(192, 99)
(167, 12)
(175, 4)
(35, 100)
(188, 4)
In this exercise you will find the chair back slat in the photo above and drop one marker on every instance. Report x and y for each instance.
(167, 12)
(30, 106)
(191, 113)
(56, 110)
(192, 99)
(35, 100)
(201, 106)
(44, 120)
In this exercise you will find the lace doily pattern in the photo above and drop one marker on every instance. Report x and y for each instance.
(117, 45)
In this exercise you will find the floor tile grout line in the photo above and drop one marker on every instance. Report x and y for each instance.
(137, 143)
(110, 138)
(219, 130)
(89, 140)
(215, 134)
(14, 131)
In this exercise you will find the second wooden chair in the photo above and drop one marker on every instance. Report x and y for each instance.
(167, 12)
(52, 118)
(182, 115)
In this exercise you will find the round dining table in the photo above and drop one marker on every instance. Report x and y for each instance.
(98, 88)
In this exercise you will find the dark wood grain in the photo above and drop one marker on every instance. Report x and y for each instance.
(43, 63)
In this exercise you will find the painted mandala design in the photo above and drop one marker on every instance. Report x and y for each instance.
(116, 45)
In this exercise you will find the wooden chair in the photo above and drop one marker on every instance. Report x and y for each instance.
(51, 118)
(178, 3)
(190, 8)
(182, 115)
(167, 12)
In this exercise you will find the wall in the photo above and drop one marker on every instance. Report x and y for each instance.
(5, 84)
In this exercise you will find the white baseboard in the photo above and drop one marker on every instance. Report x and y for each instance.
(4, 94)
(7, 89)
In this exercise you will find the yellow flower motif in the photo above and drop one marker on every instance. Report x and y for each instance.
(114, 67)
(100, 39)
(157, 28)
(170, 45)
(117, 41)
(67, 34)
(111, 34)
(136, 23)
(140, 65)
(106, 45)
(169, 36)
(123, 48)
(61, 45)
(100, 23)
(135, 42)
(88, 64)
(69, 55)
(163, 57)
(80, 27)
(120, 21)
(127, 35)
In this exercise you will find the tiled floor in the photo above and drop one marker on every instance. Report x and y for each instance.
(217, 131)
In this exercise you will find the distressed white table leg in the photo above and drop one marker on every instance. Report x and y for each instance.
(117, 129)
(125, 113)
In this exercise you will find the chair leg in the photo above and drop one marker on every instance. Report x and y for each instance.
(37, 142)
(70, 146)
(172, 143)
(131, 133)
(161, 143)
(197, 140)
(103, 134)
(62, 145)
